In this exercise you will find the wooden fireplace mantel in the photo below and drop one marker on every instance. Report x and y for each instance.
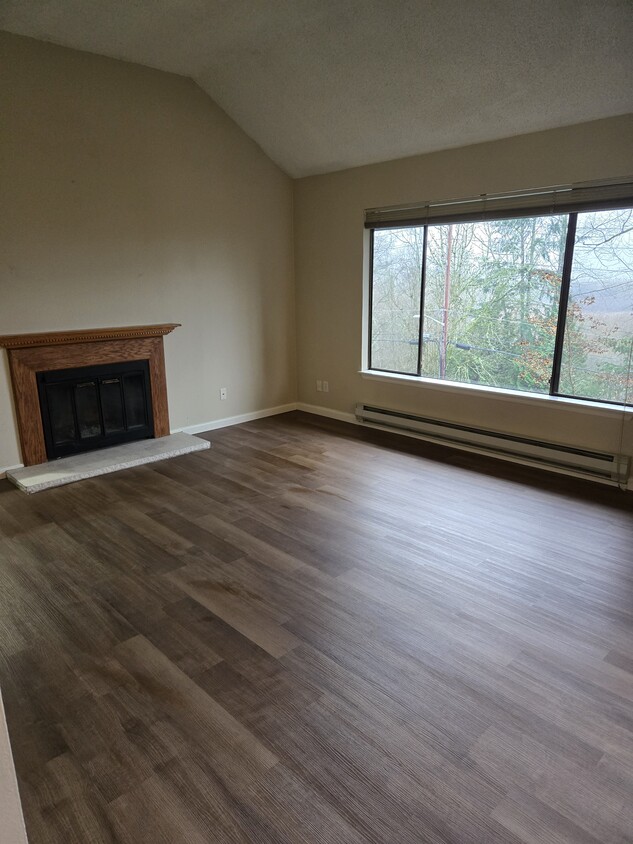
(33, 353)
(90, 335)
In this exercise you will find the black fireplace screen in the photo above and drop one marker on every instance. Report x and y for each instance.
(95, 406)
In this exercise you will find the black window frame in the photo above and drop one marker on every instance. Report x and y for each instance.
(568, 259)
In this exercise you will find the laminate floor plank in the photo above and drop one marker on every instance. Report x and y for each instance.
(588, 798)
(251, 620)
(314, 632)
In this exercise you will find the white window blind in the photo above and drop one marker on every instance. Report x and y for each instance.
(560, 199)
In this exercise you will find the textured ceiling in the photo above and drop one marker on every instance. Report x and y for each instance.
(326, 84)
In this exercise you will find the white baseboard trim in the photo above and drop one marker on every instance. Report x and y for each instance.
(5, 469)
(213, 425)
(327, 411)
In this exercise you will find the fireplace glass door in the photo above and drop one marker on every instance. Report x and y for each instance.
(94, 407)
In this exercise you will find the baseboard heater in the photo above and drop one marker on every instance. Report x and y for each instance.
(594, 464)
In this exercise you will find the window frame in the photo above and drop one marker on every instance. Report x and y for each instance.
(568, 258)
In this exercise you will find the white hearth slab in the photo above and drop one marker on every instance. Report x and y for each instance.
(67, 470)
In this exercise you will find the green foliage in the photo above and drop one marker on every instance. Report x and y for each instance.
(491, 303)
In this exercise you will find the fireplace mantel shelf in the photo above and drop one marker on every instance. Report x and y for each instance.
(89, 335)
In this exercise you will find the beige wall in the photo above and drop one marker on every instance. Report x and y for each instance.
(129, 197)
(329, 270)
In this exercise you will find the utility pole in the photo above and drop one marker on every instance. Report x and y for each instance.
(447, 301)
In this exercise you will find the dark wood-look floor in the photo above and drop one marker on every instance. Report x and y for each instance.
(306, 636)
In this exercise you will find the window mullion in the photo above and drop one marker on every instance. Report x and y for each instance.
(371, 295)
(422, 286)
(563, 304)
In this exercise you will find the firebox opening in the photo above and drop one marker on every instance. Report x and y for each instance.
(94, 407)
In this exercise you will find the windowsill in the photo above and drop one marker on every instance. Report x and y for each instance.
(497, 393)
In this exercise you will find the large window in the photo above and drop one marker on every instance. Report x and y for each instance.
(540, 304)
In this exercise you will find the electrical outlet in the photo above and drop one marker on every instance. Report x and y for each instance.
(222, 393)
(319, 386)
(326, 387)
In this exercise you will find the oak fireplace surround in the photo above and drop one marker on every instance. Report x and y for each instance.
(30, 354)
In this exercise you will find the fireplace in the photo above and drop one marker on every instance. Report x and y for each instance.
(76, 391)
(95, 406)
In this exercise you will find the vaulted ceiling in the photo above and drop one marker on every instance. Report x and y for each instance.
(326, 84)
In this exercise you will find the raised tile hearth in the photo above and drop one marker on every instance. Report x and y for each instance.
(67, 470)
